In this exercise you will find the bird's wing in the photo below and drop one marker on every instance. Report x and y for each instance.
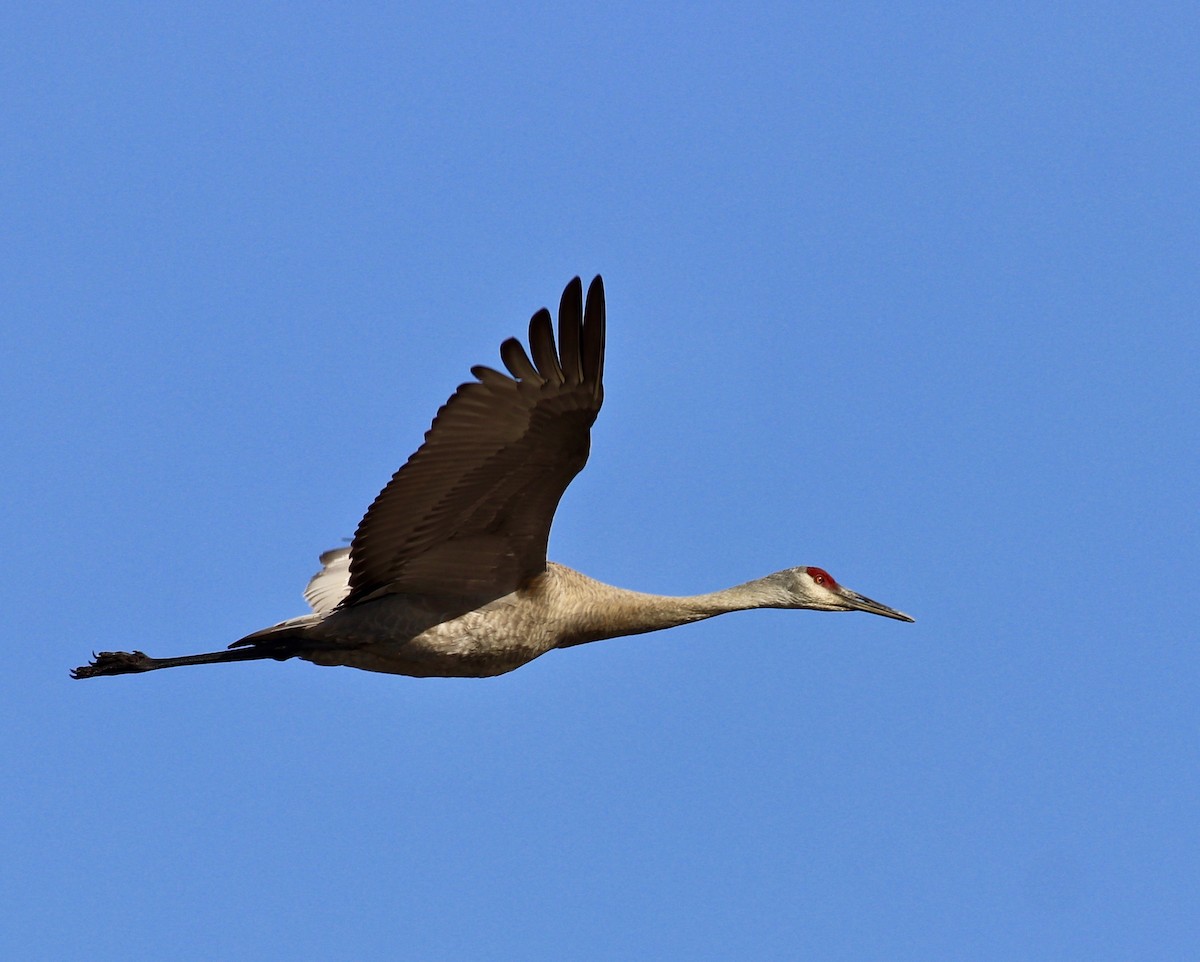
(331, 584)
(469, 514)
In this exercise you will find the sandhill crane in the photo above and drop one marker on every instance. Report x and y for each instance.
(447, 573)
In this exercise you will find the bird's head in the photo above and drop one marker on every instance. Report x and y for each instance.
(809, 587)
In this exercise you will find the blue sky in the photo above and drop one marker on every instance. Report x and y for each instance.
(905, 291)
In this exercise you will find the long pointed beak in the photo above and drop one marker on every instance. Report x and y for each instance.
(858, 602)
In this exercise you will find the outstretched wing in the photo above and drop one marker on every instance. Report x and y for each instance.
(469, 513)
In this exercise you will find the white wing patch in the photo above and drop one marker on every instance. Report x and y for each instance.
(331, 584)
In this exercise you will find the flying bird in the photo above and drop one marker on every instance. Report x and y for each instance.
(447, 572)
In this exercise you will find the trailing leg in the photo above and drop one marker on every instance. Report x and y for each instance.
(129, 662)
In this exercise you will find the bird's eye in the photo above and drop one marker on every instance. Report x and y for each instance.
(821, 577)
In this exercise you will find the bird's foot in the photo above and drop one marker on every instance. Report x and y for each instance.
(113, 663)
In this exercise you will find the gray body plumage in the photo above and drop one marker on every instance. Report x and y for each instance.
(447, 573)
(421, 635)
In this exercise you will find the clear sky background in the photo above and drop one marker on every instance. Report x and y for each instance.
(905, 291)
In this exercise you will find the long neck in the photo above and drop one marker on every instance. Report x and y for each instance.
(601, 611)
